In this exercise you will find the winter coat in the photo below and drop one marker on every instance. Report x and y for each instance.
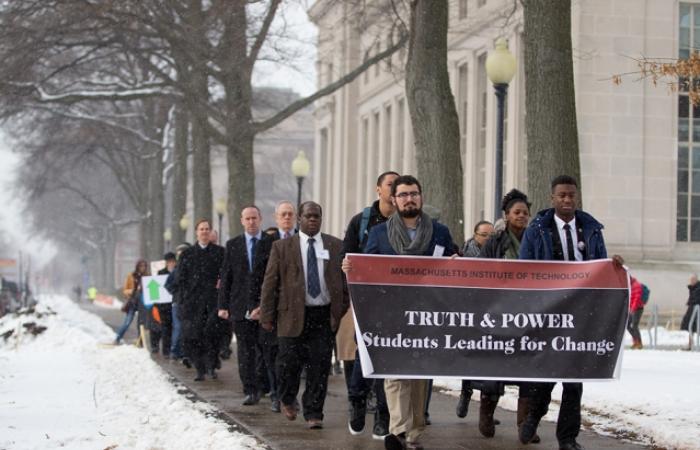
(537, 240)
(197, 277)
(378, 242)
(635, 295)
(471, 249)
(496, 246)
(132, 291)
(693, 299)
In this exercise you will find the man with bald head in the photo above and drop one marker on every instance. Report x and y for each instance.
(239, 297)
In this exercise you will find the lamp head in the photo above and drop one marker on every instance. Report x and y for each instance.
(500, 64)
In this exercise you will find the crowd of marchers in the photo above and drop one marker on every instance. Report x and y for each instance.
(282, 293)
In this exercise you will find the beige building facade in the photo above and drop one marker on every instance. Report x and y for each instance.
(640, 154)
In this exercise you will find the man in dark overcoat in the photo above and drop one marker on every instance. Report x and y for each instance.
(197, 278)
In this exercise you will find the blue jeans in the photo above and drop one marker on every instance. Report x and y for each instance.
(176, 344)
(125, 326)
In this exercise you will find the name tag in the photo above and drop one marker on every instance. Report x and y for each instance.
(439, 250)
(323, 254)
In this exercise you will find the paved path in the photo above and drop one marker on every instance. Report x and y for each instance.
(447, 431)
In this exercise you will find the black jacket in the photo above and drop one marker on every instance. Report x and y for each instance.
(496, 246)
(240, 288)
(353, 242)
(197, 276)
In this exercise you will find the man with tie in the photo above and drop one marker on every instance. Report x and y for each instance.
(566, 234)
(239, 296)
(304, 296)
(285, 218)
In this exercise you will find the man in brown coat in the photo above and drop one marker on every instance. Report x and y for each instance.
(304, 296)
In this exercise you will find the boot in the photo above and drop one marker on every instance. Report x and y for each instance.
(463, 403)
(522, 415)
(486, 410)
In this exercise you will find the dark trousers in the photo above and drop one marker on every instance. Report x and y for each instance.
(359, 387)
(569, 421)
(203, 349)
(162, 331)
(249, 355)
(312, 349)
(633, 324)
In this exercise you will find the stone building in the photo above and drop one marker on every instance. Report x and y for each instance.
(639, 158)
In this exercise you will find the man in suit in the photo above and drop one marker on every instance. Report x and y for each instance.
(285, 218)
(243, 270)
(304, 296)
(566, 234)
(197, 279)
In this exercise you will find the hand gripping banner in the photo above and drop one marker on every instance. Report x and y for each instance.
(422, 317)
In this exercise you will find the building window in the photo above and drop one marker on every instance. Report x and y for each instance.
(400, 130)
(388, 127)
(463, 106)
(462, 12)
(688, 171)
(480, 160)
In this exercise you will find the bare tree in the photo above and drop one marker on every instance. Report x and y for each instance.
(552, 134)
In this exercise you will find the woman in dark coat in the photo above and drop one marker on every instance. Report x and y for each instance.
(197, 279)
(505, 244)
(693, 300)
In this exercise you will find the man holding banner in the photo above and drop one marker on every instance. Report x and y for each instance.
(551, 236)
(409, 231)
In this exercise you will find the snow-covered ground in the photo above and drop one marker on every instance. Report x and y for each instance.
(64, 389)
(656, 400)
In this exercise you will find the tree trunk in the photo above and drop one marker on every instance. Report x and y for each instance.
(179, 193)
(241, 180)
(433, 113)
(240, 138)
(552, 136)
(157, 207)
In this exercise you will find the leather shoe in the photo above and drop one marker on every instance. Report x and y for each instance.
(199, 377)
(314, 424)
(289, 411)
(528, 430)
(395, 441)
(571, 445)
(186, 362)
(251, 399)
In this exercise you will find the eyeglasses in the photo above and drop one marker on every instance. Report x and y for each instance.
(405, 195)
(484, 234)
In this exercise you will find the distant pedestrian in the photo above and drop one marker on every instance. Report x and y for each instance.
(636, 310)
(176, 351)
(132, 297)
(304, 296)
(693, 301)
(161, 326)
(483, 230)
(197, 277)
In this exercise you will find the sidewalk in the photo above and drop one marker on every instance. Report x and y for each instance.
(447, 431)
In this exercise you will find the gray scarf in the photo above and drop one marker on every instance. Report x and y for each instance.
(400, 240)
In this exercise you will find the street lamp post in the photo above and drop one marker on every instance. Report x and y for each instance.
(300, 169)
(500, 68)
(220, 207)
(184, 224)
(167, 236)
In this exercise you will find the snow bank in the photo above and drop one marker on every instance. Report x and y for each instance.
(63, 389)
(656, 401)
